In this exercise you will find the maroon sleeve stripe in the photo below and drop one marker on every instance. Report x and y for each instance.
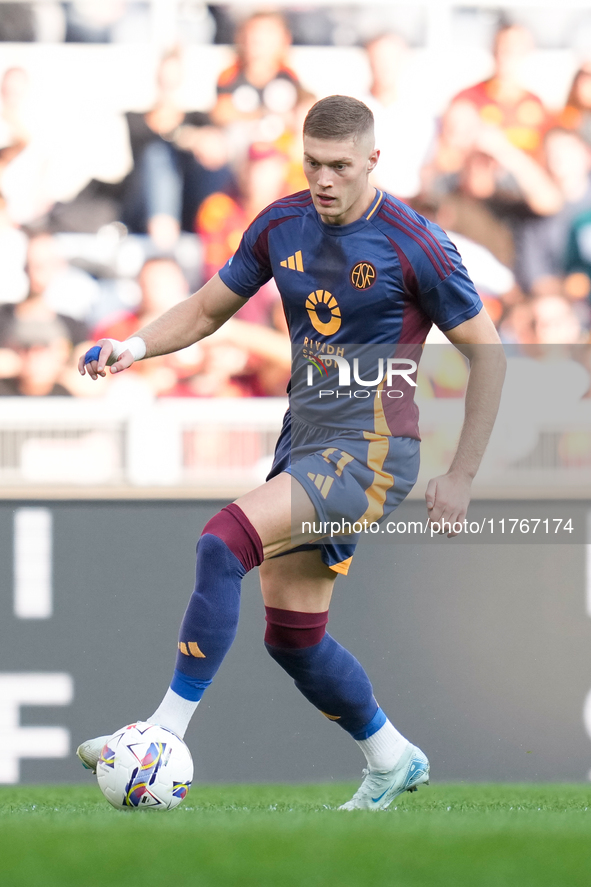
(432, 258)
(415, 323)
(261, 246)
(409, 277)
(297, 195)
(424, 232)
(301, 199)
(424, 238)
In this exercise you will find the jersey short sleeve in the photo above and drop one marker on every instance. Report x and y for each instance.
(433, 275)
(250, 266)
(446, 293)
(452, 301)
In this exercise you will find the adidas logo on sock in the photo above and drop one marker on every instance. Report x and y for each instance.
(191, 648)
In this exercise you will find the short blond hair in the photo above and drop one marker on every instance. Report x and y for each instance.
(338, 117)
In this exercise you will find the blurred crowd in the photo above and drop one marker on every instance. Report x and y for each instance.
(507, 177)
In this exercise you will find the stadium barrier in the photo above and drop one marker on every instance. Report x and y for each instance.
(210, 445)
(220, 448)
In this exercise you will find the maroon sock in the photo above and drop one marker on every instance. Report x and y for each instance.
(232, 526)
(293, 630)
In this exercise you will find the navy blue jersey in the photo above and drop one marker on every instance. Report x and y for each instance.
(368, 290)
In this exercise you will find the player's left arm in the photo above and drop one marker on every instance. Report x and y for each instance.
(448, 495)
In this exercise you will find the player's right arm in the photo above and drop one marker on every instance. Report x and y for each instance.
(186, 323)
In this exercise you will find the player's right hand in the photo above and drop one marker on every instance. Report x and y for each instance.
(96, 368)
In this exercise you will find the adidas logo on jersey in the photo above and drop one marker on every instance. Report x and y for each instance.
(191, 649)
(294, 263)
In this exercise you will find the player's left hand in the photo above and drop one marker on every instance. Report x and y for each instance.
(448, 497)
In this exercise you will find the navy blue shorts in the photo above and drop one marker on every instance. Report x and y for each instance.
(352, 476)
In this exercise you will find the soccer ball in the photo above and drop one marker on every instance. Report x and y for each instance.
(144, 766)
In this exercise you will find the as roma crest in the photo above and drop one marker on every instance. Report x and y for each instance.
(363, 275)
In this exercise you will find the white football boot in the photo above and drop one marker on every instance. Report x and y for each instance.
(90, 751)
(378, 789)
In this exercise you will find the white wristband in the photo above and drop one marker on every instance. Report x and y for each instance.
(136, 346)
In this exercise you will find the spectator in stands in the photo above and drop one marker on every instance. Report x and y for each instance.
(222, 219)
(22, 185)
(501, 100)
(556, 322)
(486, 182)
(15, 114)
(576, 114)
(69, 291)
(14, 284)
(291, 142)
(578, 258)
(178, 159)
(51, 152)
(458, 129)
(222, 372)
(43, 348)
(577, 261)
(242, 359)
(398, 108)
(162, 285)
(259, 83)
(517, 326)
(542, 242)
(56, 292)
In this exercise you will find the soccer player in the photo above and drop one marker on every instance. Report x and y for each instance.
(362, 279)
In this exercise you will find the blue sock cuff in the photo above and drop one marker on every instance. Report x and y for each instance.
(378, 721)
(189, 688)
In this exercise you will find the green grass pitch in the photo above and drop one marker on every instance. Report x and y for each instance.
(292, 836)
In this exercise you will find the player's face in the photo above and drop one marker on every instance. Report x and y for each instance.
(337, 173)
